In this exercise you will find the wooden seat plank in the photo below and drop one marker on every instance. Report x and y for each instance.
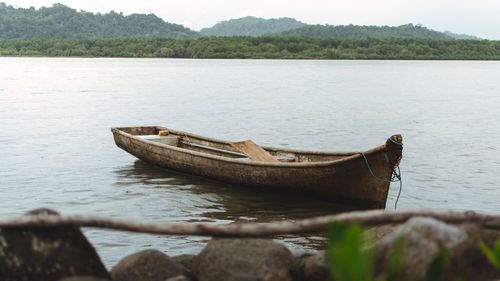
(253, 151)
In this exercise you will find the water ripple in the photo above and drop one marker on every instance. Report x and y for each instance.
(57, 150)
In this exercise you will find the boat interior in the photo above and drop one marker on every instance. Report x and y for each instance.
(244, 150)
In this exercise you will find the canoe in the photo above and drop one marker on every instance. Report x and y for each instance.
(362, 178)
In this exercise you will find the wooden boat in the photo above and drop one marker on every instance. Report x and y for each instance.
(359, 177)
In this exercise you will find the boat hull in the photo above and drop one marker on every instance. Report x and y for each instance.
(347, 179)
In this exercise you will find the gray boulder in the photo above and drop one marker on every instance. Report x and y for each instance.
(47, 253)
(311, 267)
(297, 266)
(244, 259)
(83, 278)
(376, 233)
(148, 265)
(315, 268)
(468, 261)
(425, 238)
(179, 278)
(186, 260)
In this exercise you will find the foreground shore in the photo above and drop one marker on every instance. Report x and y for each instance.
(45, 246)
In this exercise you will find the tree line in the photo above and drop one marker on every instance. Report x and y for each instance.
(256, 48)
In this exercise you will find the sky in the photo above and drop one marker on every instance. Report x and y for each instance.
(475, 17)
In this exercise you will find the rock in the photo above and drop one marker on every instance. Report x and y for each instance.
(315, 268)
(380, 231)
(244, 259)
(83, 278)
(148, 265)
(311, 267)
(179, 278)
(468, 261)
(424, 238)
(243, 277)
(186, 260)
(47, 253)
(297, 266)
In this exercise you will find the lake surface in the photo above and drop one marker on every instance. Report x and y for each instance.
(57, 150)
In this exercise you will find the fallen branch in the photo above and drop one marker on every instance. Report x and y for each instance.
(310, 225)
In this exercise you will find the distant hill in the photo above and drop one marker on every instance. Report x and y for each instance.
(461, 36)
(251, 26)
(408, 31)
(62, 22)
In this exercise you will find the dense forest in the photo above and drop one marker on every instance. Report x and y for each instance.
(251, 26)
(256, 48)
(62, 31)
(62, 22)
(461, 36)
(408, 31)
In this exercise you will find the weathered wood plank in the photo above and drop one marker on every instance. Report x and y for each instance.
(253, 151)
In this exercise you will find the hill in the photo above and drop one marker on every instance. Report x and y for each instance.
(62, 22)
(408, 31)
(251, 26)
(461, 36)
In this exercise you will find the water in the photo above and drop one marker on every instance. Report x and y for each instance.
(57, 150)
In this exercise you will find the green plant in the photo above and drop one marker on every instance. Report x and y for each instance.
(394, 264)
(493, 255)
(436, 268)
(350, 261)
(347, 259)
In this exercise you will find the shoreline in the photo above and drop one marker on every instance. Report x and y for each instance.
(248, 59)
(43, 245)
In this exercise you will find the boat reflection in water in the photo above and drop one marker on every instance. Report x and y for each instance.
(191, 198)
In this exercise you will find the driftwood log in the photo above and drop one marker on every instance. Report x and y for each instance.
(310, 225)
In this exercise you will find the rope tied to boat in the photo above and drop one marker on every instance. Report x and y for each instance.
(393, 157)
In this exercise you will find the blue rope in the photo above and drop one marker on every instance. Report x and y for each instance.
(396, 175)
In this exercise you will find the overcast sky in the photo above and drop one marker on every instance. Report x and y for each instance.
(475, 17)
